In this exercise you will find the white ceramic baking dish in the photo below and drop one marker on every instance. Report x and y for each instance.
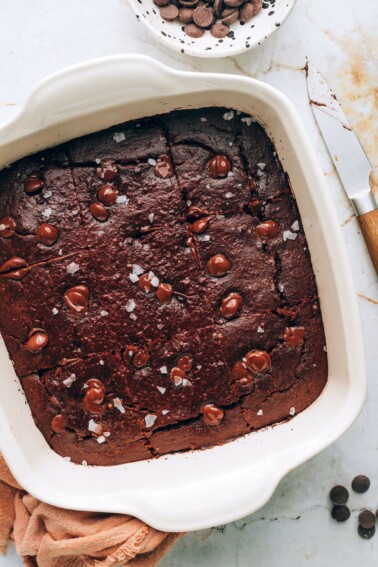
(198, 489)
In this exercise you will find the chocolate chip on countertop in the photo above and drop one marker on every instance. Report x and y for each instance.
(366, 519)
(203, 16)
(360, 483)
(193, 31)
(7, 227)
(186, 15)
(340, 513)
(219, 30)
(339, 494)
(169, 12)
(366, 533)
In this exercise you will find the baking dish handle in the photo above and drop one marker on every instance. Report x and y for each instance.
(86, 89)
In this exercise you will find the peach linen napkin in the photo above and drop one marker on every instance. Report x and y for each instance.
(46, 536)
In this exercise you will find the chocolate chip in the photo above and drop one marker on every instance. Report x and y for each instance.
(366, 533)
(107, 194)
(258, 361)
(294, 336)
(7, 227)
(246, 12)
(164, 293)
(218, 5)
(99, 211)
(218, 266)
(94, 395)
(95, 383)
(268, 229)
(231, 304)
(200, 225)
(76, 299)
(366, 519)
(161, 3)
(107, 171)
(141, 358)
(145, 283)
(229, 16)
(176, 376)
(339, 494)
(254, 206)
(340, 513)
(360, 483)
(37, 341)
(188, 3)
(196, 212)
(33, 183)
(212, 414)
(47, 234)
(257, 5)
(57, 424)
(219, 166)
(164, 167)
(193, 248)
(186, 15)
(14, 269)
(234, 3)
(193, 31)
(219, 30)
(203, 16)
(169, 12)
(185, 363)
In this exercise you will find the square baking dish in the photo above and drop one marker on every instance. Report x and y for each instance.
(198, 489)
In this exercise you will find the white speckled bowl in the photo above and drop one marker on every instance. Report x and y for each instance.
(247, 36)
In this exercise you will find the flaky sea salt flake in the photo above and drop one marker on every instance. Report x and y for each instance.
(186, 382)
(122, 200)
(151, 161)
(165, 411)
(203, 119)
(151, 217)
(295, 226)
(119, 137)
(70, 380)
(288, 235)
(261, 166)
(101, 439)
(292, 411)
(155, 281)
(229, 115)
(94, 427)
(47, 194)
(47, 212)
(260, 412)
(133, 278)
(247, 119)
(229, 195)
(150, 419)
(133, 317)
(130, 305)
(118, 405)
(72, 268)
(104, 313)
(55, 311)
(68, 459)
(84, 463)
(164, 370)
(260, 330)
(161, 389)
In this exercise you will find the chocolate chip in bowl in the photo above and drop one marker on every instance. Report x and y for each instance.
(216, 28)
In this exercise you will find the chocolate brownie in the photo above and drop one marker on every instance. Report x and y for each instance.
(157, 290)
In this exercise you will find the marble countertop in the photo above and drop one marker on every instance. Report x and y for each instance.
(38, 37)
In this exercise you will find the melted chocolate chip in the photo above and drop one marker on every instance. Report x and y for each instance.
(107, 194)
(76, 299)
(95, 383)
(47, 234)
(219, 166)
(243, 377)
(37, 341)
(33, 183)
(7, 227)
(145, 283)
(196, 212)
(141, 358)
(258, 361)
(94, 395)
(185, 363)
(212, 414)
(176, 376)
(164, 167)
(57, 424)
(268, 229)
(218, 266)
(294, 336)
(14, 269)
(99, 212)
(231, 304)
(107, 171)
(200, 225)
(193, 248)
(164, 293)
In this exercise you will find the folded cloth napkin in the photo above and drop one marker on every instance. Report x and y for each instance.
(46, 536)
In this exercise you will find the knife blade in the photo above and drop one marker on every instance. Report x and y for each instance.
(348, 156)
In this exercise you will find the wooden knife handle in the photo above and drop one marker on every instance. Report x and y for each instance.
(369, 226)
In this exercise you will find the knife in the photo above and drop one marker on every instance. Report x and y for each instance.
(348, 156)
